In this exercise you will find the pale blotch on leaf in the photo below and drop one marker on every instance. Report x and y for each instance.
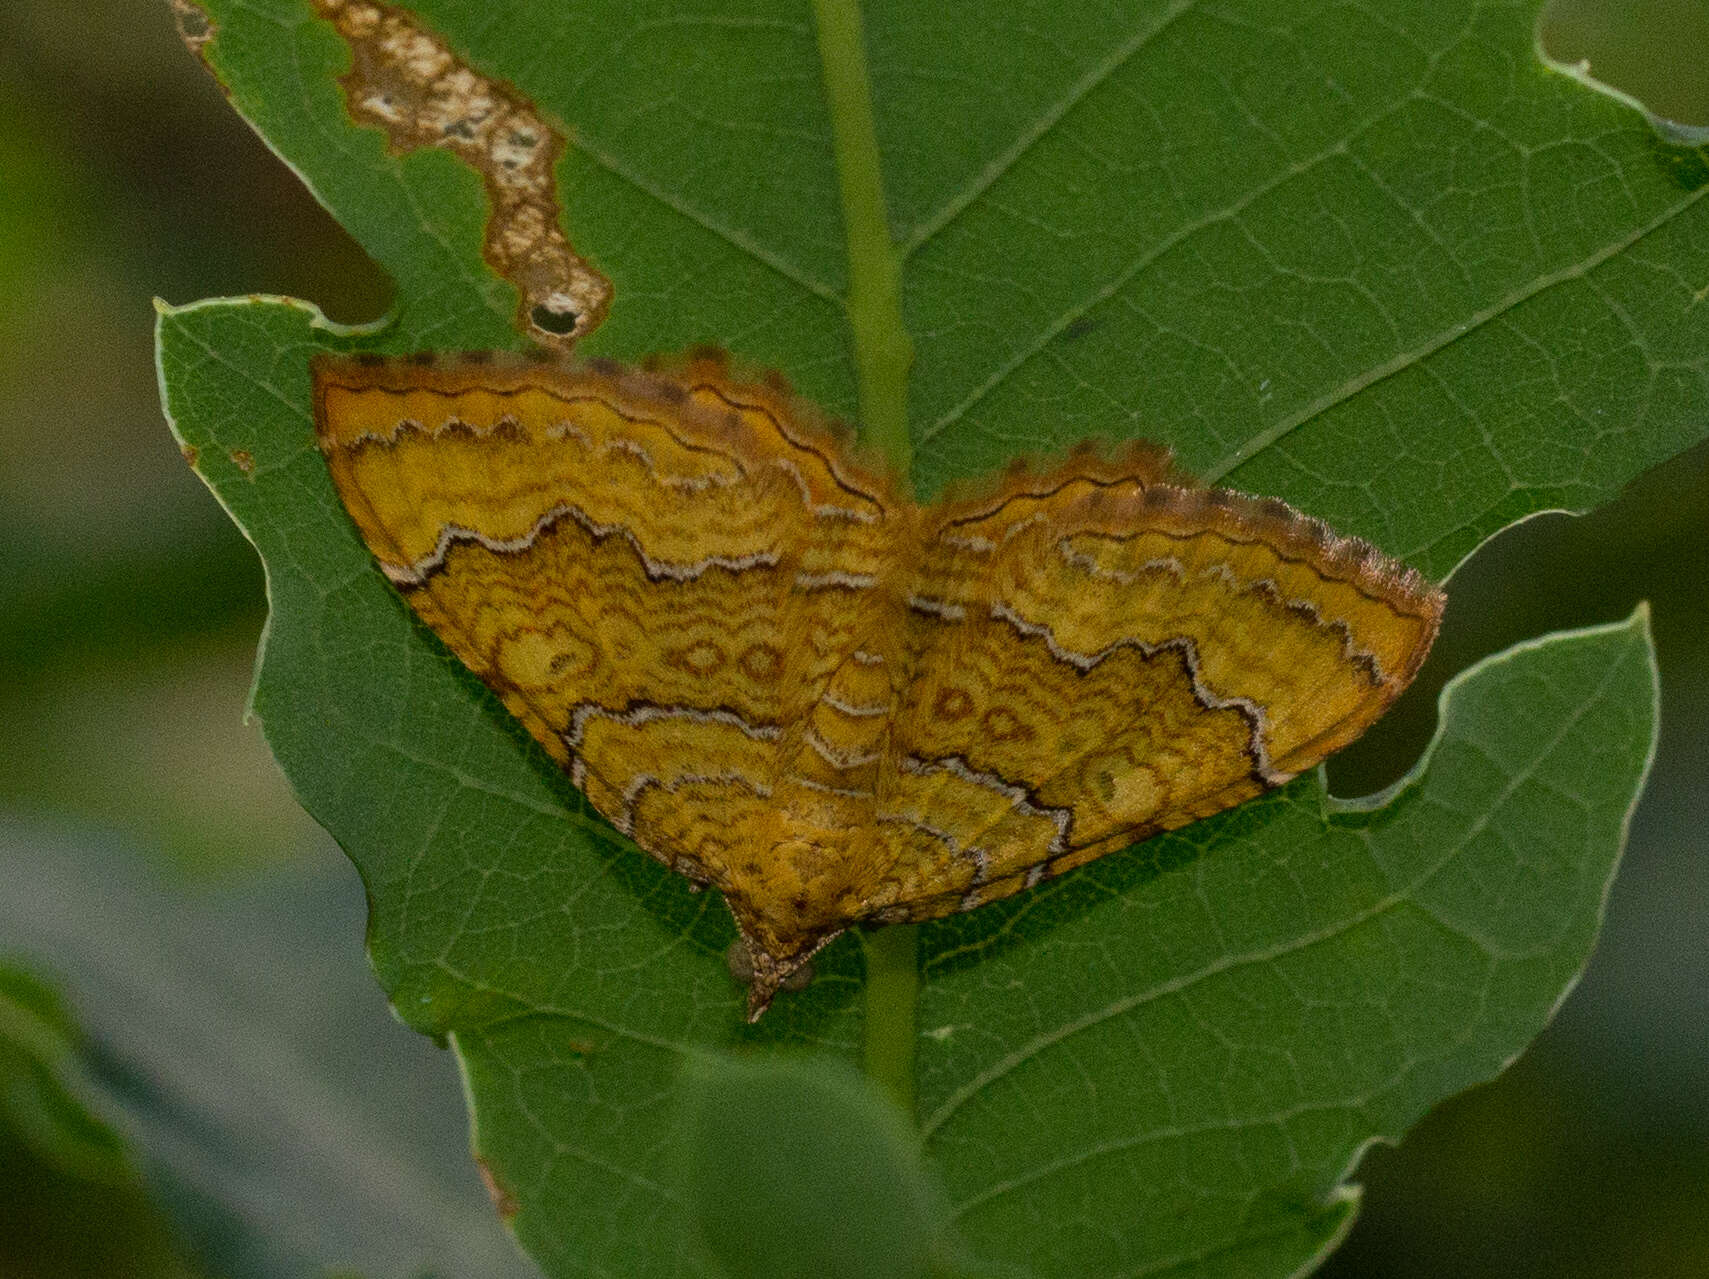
(195, 28)
(407, 82)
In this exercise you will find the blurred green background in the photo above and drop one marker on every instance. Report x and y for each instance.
(264, 1114)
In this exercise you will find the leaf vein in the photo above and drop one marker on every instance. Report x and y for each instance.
(1041, 127)
(1407, 359)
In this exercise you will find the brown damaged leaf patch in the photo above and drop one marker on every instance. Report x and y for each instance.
(405, 81)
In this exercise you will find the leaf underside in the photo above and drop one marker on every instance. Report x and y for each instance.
(1386, 267)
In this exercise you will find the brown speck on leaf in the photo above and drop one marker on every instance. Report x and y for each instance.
(244, 460)
(407, 82)
(503, 1200)
(191, 455)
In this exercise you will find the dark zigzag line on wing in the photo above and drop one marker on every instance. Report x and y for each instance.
(415, 576)
(1302, 561)
(455, 425)
(508, 429)
(451, 535)
(808, 445)
(1052, 866)
(641, 782)
(1252, 712)
(1267, 588)
(931, 606)
(1082, 664)
(1022, 799)
(635, 419)
(1064, 847)
(973, 853)
(1039, 495)
(639, 712)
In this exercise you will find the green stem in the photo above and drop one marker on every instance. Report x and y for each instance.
(882, 349)
(892, 991)
(882, 354)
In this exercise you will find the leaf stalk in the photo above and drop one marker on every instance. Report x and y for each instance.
(883, 352)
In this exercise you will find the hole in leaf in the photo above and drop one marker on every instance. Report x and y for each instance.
(1550, 573)
(194, 26)
(558, 321)
(1650, 53)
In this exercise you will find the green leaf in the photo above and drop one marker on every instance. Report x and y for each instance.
(1388, 267)
(801, 1168)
